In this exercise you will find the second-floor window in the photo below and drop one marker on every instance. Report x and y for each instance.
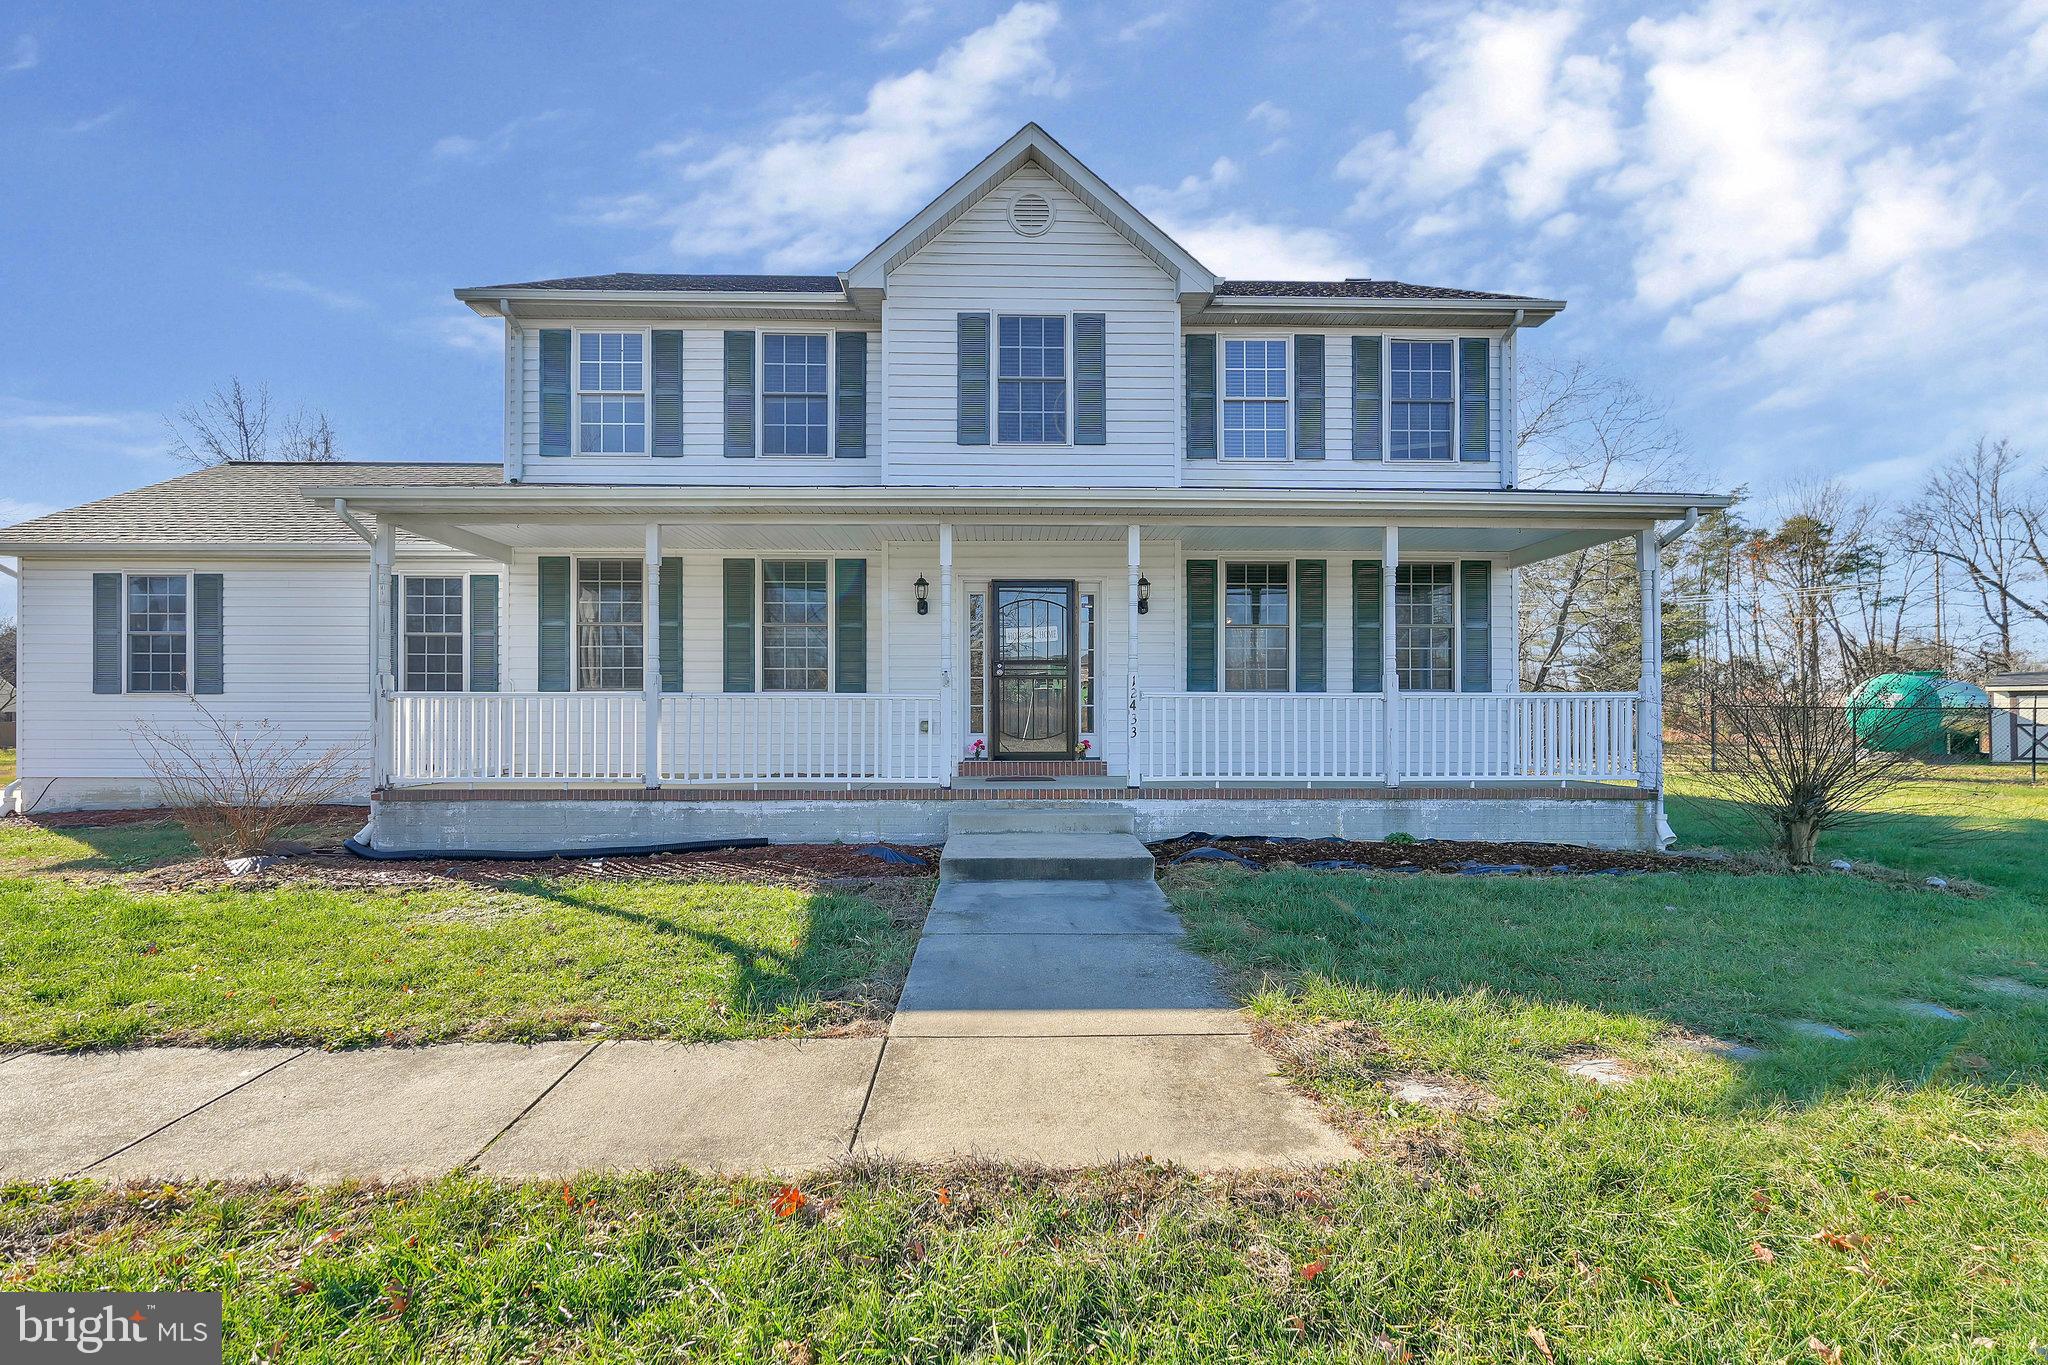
(1031, 380)
(611, 392)
(1419, 375)
(1255, 400)
(794, 401)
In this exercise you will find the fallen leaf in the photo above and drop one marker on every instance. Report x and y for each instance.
(395, 1299)
(1840, 1241)
(1826, 1354)
(945, 1195)
(788, 1200)
(1542, 1341)
(302, 1287)
(1311, 1270)
(1762, 1252)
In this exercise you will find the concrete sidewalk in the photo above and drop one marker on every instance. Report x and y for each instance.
(1059, 1022)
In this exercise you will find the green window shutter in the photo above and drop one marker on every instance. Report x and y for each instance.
(1311, 578)
(209, 636)
(1091, 382)
(1476, 625)
(668, 395)
(1365, 400)
(1366, 639)
(971, 375)
(739, 395)
(1308, 397)
(668, 607)
(1201, 396)
(850, 631)
(739, 625)
(850, 356)
(1201, 582)
(483, 632)
(107, 633)
(554, 391)
(1473, 388)
(556, 640)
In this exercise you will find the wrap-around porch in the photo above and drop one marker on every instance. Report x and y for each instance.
(1226, 653)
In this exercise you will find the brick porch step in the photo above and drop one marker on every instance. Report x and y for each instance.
(1034, 767)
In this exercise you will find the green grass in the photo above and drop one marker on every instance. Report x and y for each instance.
(100, 963)
(6, 766)
(1887, 1197)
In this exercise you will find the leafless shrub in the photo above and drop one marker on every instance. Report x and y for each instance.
(1799, 762)
(234, 787)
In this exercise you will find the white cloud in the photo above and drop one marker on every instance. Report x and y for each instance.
(96, 121)
(1505, 97)
(15, 510)
(53, 433)
(25, 54)
(284, 282)
(815, 189)
(461, 331)
(1146, 24)
(1240, 247)
(495, 145)
(1193, 192)
(1269, 116)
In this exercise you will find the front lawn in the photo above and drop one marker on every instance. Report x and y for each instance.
(6, 766)
(102, 962)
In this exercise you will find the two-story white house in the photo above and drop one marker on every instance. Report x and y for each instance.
(1025, 503)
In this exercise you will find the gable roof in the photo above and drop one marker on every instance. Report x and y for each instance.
(635, 282)
(233, 506)
(1357, 289)
(1032, 143)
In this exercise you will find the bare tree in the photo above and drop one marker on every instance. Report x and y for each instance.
(1798, 763)
(1586, 428)
(1979, 513)
(234, 787)
(10, 652)
(232, 425)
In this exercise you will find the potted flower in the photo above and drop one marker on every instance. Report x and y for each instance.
(1084, 748)
(977, 750)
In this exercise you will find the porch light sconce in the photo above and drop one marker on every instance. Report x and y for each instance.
(1144, 594)
(924, 605)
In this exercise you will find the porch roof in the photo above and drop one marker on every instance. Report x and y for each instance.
(1525, 525)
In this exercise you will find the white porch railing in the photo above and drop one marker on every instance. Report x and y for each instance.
(1218, 736)
(704, 738)
(1437, 737)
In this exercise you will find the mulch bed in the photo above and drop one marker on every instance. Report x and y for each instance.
(1424, 855)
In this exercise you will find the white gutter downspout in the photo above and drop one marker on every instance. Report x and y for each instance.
(1677, 533)
(1511, 421)
(515, 394)
(10, 794)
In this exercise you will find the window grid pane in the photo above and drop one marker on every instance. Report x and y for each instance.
(1254, 400)
(1419, 387)
(794, 397)
(1087, 669)
(796, 643)
(156, 633)
(433, 635)
(1031, 380)
(611, 384)
(1255, 625)
(977, 663)
(1424, 634)
(608, 625)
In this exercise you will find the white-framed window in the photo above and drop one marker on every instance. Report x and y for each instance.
(796, 394)
(158, 626)
(611, 393)
(1425, 627)
(433, 633)
(1255, 393)
(977, 663)
(609, 634)
(796, 626)
(1031, 379)
(1256, 627)
(1085, 648)
(1421, 411)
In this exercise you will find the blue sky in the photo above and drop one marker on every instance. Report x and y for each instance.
(1816, 230)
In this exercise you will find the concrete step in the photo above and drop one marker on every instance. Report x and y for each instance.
(1134, 907)
(1042, 817)
(1048, 857)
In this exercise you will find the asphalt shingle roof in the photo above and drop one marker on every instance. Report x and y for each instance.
(1354, 289)
(626, 281)
(237, 504)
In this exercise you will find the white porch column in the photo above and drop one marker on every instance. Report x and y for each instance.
(1390, 675)
(1650, 695)
(650, 659)
(383, 552)
(1133, 764)
(948, 721)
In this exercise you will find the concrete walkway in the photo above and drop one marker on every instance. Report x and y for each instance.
(1054, 1020)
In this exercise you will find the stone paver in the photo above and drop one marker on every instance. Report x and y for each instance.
(1927, 1009)
(1610, 1072)
(380, 1113)
(1206, 1102)
(60, 1112)
(786, 1106)
(1813, 1028)
(2005, 985)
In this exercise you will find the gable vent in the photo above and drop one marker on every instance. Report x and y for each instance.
(1031, 214)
